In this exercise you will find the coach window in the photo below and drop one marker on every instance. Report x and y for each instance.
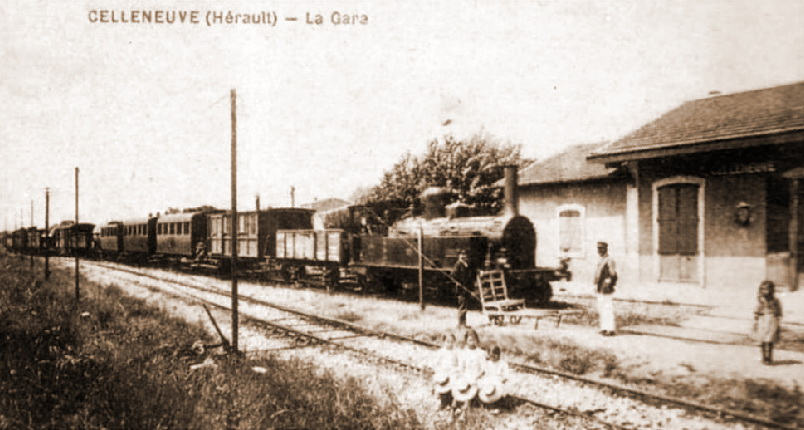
(571, 230)
(186, 228)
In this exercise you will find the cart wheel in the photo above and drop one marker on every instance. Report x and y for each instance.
(515, 319)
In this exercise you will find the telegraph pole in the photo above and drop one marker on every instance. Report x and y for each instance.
(233, 230)
(23, 237)
(75, 238)
(292, 196)
(34, 233)
(47, 232)
(421, 266)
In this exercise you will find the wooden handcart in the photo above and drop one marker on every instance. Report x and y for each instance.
(498, 307)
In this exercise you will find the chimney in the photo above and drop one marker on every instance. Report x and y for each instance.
(511, 191)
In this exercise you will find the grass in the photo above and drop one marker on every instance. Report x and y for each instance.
(630, 314)
(561, 355)
(125, 364)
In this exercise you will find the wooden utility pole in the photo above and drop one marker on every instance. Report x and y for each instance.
(292, 196)
(793, 231)
(233, 230)
(32, 224)
(47, 232)
(74, 238)
(421, 266)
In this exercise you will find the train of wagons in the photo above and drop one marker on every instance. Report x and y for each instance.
(369, 246)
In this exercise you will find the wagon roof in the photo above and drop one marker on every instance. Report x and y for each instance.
(135, 221)
(269, 210)
(64, 225)
(178, 217)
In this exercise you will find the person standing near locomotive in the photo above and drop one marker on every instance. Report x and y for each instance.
(605, 281)
(464, 279)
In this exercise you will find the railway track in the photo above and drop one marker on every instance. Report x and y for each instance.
(385, 347)
(300, 329)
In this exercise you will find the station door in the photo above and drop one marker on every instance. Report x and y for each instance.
(678, 233)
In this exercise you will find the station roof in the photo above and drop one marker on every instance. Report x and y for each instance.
(719, 122)
(570, 165)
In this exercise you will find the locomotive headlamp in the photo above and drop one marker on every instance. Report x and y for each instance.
(743, 215)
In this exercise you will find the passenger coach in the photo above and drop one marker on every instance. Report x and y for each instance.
(139, 236)
(111, 238)
(178, 235)
(256, 231)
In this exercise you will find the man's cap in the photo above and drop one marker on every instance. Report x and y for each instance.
(602, 245)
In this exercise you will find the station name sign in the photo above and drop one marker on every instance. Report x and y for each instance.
(743, 168)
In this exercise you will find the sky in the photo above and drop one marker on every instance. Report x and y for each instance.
(144, 111)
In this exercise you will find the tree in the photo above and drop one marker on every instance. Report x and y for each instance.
(467, 167)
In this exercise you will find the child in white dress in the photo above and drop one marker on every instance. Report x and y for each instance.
(470, 365)
(493, 387)
(444, 370)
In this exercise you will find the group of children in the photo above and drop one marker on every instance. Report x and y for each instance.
(465, 374)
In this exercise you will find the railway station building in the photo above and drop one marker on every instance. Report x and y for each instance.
(709, 194)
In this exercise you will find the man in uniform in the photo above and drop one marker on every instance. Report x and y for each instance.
(605, 281)
(464, 281)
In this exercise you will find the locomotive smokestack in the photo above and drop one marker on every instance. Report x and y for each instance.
(511, 191)
(434, 202)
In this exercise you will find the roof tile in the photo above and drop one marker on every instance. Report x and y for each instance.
(750, 113)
